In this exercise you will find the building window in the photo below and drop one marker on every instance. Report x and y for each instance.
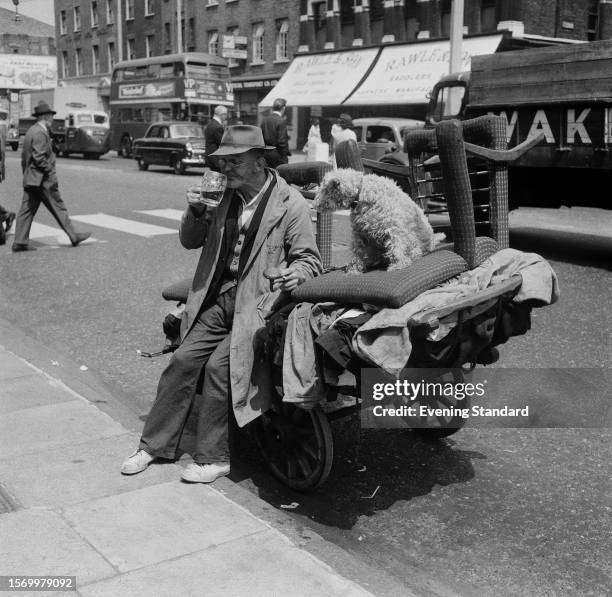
(62, 22)
(488, 15)
(129, 10)
(282, 49)
(110, 15)
(167, 38)
(377, 10)
(318, 12)
(149, 45)
(131, 48)
(232, 62)
(446, 17)
(110, 55)
(191, 39)
(213, 43)
(149, 7)
(64, 64)
(212, 3)
(347, 12)
(94, 14)
(593, 20)
(79, 62)
(258, 44)
(95, 59)
(77, 18)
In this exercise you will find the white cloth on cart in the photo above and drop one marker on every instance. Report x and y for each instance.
(384, 340)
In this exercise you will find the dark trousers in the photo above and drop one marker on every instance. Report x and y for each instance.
(274, 158)
(48, 194)
(206, 345)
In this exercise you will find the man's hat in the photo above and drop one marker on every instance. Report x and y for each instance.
(42, 108)
(241, 138)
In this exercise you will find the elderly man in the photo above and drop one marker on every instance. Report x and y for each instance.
(40, 183)
(213, 134)
(261, 223)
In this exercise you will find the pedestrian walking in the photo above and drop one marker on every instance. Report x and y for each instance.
(213, 134)
(6, 216)
(260, 223)
(275, 134)
(343, 129)
(40, 184)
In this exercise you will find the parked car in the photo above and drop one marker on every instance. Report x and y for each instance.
(381, 139)
(173, 144)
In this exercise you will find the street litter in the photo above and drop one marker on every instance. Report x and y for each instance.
(83, 367)
(291, 506)
(370, 497)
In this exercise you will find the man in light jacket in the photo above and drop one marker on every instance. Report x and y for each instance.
(261, 223)
(40, 183)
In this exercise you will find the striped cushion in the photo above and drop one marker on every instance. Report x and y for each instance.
(385, 289)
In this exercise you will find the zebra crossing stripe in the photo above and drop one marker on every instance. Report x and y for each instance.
(169, 214)
(123, 225)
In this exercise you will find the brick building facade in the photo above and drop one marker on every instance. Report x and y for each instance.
(26, 48)
(276, 30)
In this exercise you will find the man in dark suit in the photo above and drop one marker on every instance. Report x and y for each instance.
(40, 183)
(6, 216)
(213, 134)
(275, 134)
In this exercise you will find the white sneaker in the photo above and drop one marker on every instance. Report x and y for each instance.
(137, 462)
(204, 473)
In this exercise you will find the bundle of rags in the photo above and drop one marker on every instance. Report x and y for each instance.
(389, 230)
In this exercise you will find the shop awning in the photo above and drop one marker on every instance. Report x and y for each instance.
(397, 74)
(405, 74)
(322, 79)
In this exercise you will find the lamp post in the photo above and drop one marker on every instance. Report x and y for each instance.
(179, 29)
(17, 15)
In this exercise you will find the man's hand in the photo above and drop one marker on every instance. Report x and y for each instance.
(194, 198)
(286, 279)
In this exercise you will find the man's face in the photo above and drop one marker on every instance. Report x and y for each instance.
(47, 119)
(239, 168)
(223, 118)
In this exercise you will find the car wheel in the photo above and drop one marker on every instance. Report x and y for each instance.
(126, 147)
(177, 165)
(142, 165)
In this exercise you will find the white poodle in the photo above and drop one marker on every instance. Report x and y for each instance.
(389, 229)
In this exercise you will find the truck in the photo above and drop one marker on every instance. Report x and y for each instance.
(563, 92)
(80, 125)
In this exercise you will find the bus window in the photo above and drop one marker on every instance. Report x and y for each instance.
(83, 118)
(166, 69)
(179, 69)
(100, 119)
(153, 71)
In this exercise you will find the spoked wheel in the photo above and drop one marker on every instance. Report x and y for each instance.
(447, 420)
(297, 445)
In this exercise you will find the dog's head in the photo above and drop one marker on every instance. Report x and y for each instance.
(339, 190)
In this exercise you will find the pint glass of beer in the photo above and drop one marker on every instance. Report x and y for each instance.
(212, 187)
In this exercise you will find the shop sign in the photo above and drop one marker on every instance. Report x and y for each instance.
(20, 71)
(234, 46)
(258, 84)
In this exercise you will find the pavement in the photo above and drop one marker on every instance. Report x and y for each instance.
(66, 510)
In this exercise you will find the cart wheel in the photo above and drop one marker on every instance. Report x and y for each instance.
(297, 445)
(438, 427)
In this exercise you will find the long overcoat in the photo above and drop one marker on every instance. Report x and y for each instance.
(285, 236)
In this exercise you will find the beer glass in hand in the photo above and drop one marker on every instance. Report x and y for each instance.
(213, 187)
(208, 193)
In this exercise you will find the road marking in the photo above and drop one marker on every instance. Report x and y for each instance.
(169, 214)
(53, 235)
(123, 225)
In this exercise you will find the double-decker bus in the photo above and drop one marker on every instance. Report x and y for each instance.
(184, 86)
